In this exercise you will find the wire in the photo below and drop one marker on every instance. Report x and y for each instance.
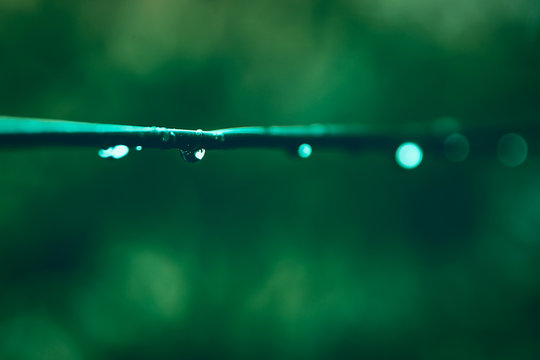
(25, 132)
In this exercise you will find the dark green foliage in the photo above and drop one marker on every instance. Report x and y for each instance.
(256, 254)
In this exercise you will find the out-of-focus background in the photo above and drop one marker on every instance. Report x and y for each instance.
(253, 253)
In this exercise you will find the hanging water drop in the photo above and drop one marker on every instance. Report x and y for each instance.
(193, 155)
(138, 148)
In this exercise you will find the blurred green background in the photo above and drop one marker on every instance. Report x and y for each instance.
(253, 253)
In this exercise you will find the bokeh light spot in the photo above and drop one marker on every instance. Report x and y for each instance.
(409, 155)
(456, 147)
(512, 150)
(115, 152)
(305, 151)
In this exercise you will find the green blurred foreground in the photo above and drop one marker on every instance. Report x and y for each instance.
(256, 254)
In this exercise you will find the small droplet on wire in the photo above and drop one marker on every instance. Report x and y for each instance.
(115, 152)
(305, 151)
(193, 156)
(138, 148)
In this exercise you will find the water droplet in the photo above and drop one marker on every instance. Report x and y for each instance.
(166, 136)
(456, 147)
(115, 152)
(138, 148)
(305, 151)
(193, 155)
(512, 150)
(219, 136)
(409, 155)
